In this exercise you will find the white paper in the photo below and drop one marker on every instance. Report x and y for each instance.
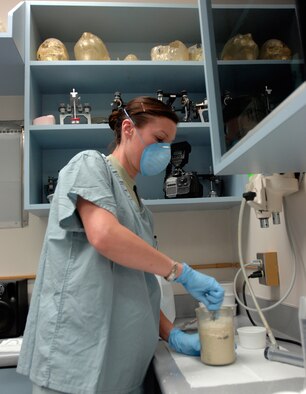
(250, 366)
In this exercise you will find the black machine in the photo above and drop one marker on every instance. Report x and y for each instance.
(179, 183)
(13, 308)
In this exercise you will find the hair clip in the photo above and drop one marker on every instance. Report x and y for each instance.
(143, 107)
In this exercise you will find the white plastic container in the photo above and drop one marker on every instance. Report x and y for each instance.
(229, 299)
(228, 287)
(229, 296)
(252, 337)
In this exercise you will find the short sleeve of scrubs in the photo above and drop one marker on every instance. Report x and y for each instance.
(87, 175)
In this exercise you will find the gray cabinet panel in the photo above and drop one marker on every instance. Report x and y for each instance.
(249, 135)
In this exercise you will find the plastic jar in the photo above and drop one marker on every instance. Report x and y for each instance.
(216, 330)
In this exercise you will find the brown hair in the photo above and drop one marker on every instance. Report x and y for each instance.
(141, 110)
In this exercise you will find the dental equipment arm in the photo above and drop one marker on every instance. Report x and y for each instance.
(261, 315)
(266, 195)
(283, 356)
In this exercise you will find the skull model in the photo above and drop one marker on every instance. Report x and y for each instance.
(131, 57)
(176, 50)
(195, 53)
(52, 49)
(90, 47)
(275, 50)
(240, 47)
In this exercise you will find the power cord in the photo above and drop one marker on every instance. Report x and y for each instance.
(244, 295)
(258, 274)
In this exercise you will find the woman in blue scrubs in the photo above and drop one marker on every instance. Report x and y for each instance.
(94, 318)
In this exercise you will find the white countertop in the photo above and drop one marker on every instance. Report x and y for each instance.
(184, 377)
(251, 373)
(9, 351)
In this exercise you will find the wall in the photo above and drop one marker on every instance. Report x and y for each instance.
(199, 238)
(196, 237)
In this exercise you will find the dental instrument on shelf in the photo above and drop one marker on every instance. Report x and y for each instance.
(75, 111)
(117, 102)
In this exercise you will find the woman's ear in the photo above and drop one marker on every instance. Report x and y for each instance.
(127, 128)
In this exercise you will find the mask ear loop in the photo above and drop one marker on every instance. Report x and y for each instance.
(128, 116)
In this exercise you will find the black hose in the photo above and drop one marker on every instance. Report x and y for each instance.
(250, 317)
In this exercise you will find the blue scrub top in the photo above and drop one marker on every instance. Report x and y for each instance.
(93, 324)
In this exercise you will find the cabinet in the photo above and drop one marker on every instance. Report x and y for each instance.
(11, 84)
(276, 143)
(124, 28)
(12, 53)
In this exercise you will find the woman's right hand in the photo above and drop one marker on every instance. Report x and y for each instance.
(202, 287)
(184, 343)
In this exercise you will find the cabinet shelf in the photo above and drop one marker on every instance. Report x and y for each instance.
(52, 146)
(241, 63)
(117, 22)
(109, 76)
(276, 144)
(192, 204)
(262, 21)
(72, 136)
(93, 136)
(252, 75)
(168, 205)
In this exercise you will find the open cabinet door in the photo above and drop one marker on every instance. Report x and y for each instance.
(11, 175)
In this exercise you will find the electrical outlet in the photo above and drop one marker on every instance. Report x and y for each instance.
(270, 269)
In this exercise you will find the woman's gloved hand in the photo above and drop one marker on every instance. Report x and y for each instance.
(202, 287)
(182, 342)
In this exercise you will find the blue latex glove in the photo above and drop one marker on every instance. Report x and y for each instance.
(202, 287)
(182, 342)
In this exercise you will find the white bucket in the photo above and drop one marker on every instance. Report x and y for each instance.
(229, 296)
(228, 287)
(229, 299)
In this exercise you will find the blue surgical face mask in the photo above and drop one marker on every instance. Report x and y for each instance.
(155, 157)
